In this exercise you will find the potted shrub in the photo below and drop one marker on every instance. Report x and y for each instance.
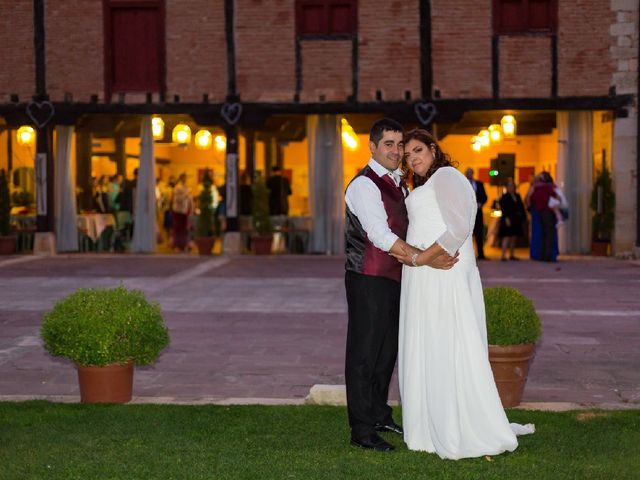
(205, 227)
(262, 238)
(603, 203)
(513, 328)
(7, 239)
(105, 332)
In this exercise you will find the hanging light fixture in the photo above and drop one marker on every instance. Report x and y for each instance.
(157, 128)
(349, 137)
(25, 135)
(221, 142)
(476, 146)
(203, 139)
(508, 123)
(181, 134)
(484, 138)
(495, 133)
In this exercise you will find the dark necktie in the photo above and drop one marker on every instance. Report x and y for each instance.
(402, 187)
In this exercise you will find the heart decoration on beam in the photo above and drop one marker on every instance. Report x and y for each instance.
(231, 112)
(425, 112)
(40, 113)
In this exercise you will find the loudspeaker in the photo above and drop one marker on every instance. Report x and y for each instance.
(502, 168)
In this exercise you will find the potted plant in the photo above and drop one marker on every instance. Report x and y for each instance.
(603, 203)
(262, 238)
(513, 328)
(7, 240)
(105, 332)
(205, 227)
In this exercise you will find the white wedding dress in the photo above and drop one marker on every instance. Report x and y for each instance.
(450, 404)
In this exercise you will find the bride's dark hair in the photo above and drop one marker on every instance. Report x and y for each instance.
(440, 159)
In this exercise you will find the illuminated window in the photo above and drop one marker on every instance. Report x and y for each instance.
(326, 17)
(524, 16)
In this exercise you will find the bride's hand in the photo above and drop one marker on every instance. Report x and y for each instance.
(444, 261)
(405, 257)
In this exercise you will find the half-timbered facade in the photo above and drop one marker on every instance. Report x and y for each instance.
(275, 80)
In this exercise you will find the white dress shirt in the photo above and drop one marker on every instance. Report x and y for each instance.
(364, 200)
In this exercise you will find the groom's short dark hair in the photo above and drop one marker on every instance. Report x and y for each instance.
(381, 126)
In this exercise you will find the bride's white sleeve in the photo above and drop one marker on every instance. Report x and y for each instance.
(457, 205)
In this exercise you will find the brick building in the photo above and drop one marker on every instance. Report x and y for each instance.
(273, 80)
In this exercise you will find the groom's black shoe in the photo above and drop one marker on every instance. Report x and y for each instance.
(373, 442)
(390, 426)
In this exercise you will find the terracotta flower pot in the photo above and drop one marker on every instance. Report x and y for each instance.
(205, 244)
(7, 244)
(261, 244)
(109, 384)
(510, 365)
(600, 249)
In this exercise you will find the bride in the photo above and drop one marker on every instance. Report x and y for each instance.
(450, 404)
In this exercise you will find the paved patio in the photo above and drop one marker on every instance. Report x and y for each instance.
(268, 328)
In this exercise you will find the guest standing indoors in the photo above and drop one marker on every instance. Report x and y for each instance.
(511, 221)
(376, 223)
(279, 191)
(542, 193)
(181, 207)
(450, 403)
(478, 226)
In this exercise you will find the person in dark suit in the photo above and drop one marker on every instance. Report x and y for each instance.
(279, 191)
(481, 199)
(511, 221)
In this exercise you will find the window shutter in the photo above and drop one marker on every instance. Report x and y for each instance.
(541, 15)
(135, 51)
(342, 17)
(326, 17)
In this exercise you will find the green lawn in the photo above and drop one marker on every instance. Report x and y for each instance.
(41, 440)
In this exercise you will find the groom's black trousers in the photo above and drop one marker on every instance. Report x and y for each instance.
(372, 349)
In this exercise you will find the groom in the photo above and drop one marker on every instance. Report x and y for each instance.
(376, 225)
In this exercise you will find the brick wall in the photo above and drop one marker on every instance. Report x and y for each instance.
(17, 70)
(584, 62)
(595, 50)
(525, 66)
(326, 70)
(74, 49)
(389, 49)
(461, 38)
(196, 50)
(265, 50)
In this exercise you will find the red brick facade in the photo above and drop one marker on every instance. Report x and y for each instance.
(265, 50)
(327, 71)
(461, 37)
(195, 50)
(17, 67)
(584, 41)
(388, 52)
(74, 49)
(389, 49)
(525, 67)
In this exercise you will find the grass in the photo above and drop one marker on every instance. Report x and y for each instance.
(41, 440)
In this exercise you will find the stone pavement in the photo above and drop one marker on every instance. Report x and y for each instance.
(265, 329)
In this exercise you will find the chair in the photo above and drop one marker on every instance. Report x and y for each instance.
(121, 235)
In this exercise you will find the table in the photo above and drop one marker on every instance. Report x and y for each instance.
(94, 225)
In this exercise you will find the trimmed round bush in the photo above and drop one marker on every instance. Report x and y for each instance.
(100, 326)
(511, 317)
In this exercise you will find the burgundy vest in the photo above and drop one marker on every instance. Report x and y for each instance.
(362, 256)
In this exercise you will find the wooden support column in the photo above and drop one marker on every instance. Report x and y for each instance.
(231, 176)
(43, 160)
(120, 157)
(250, 152)
(83, 168)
